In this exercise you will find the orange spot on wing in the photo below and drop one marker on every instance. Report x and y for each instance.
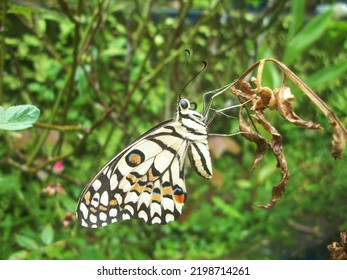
(87, 198)
(135, 158)
(102, 208)
(132, 178)
(180, 198)
(138, 188)
(167, 190)
(113, 202)
(92, 209)
(156, 197)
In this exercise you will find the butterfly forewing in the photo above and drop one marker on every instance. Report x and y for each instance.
(146, 180)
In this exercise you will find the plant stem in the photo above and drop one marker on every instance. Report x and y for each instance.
(59, 127)
(50, 121)
(2, 49)
(70, 84)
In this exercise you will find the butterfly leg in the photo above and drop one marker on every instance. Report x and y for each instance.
(207, 101)
(221, 111)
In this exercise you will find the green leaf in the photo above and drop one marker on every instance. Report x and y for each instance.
(26, 242)
(308, 35)
(9, 182)
(54, 250)
(327, 74)
(18, 117)
(19, 255)
(47, 234)
(69, 203)
(297, 16)
(21, 10)
(226, 208)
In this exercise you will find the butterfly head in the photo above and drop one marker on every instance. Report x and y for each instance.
(186, 109)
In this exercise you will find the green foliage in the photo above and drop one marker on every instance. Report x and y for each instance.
(309, 34)
(104, 73)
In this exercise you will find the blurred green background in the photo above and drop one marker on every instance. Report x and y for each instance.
(76, 59)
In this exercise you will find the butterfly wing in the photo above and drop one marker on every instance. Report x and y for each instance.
(146, 180)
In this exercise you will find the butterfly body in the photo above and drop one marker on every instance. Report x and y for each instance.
(146, 179)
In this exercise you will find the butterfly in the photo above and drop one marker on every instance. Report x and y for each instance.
(146, 179)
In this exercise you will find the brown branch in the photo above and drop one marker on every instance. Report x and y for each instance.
(95, 86)
(91, 33)
(59, 127)
(64, 6)
(21, 76)
(305, 229)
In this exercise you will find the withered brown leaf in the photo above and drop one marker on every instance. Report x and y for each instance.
(262, 98)
(277, 148)
(251, 135)
(339, 140)
(338, 250)
(285, 101)
(265, 97)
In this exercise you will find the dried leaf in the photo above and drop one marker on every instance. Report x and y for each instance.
(248, 133)
(338, 250)
(285, 100)
(245, 90)
(265, 97)
(338, 142)
(276, 146)
(281, 99)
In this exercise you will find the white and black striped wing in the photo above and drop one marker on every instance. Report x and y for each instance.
(146, 181)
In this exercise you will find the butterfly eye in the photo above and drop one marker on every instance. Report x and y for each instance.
(184, 104)
(193, 105)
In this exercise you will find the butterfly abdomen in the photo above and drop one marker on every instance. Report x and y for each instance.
(198, 151)
(200, 159)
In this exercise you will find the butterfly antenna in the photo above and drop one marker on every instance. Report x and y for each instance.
(181, 76)
(204, 64)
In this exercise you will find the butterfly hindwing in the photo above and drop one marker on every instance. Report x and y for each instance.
(144, 181)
